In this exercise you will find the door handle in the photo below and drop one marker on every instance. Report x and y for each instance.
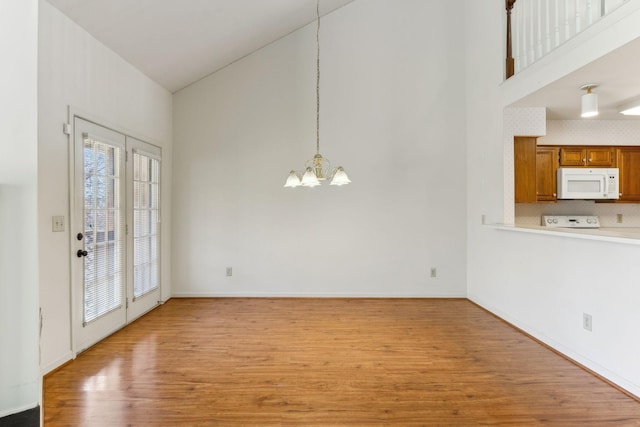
(81, 253)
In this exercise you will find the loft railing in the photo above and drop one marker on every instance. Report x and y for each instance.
(536, 27)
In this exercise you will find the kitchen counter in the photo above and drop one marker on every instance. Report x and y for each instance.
(628, 235)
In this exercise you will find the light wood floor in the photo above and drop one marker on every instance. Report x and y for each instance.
(326, 362)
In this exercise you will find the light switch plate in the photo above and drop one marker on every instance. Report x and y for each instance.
(58, 223)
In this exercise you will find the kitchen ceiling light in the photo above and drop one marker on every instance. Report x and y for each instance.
(631, 109)
(317, 169)
(634, 111)
(589, 101)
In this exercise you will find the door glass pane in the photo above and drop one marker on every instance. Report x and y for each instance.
(146, 208)
(103, 230)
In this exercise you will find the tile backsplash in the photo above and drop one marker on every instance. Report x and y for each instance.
(591, 132)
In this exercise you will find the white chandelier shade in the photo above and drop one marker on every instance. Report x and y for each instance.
(340, 177)
(293, 180)
(309, 179)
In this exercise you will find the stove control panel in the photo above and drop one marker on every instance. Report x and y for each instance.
(570, 221)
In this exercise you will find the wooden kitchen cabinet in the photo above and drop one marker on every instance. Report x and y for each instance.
(534, 171)
(524, 157)
(602, 157)
(629, 164)
(573, 156)
(547, 161)
(536, 168)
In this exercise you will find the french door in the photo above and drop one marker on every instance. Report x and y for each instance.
(143, 168)
(115, 221)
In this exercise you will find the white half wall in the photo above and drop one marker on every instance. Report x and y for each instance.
(19, 376)
(392, 96)
(78, 71)
(541, 283)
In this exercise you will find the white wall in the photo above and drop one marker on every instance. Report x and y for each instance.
(523, 277)
(78, 71)
(19, 376)
(391, 95)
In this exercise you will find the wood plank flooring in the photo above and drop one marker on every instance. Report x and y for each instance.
(327, 362)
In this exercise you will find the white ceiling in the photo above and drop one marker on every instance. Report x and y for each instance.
(617, 75)
(177, 42)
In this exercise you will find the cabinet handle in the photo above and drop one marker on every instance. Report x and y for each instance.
(584, 160)
(554, 194)
(589, 159)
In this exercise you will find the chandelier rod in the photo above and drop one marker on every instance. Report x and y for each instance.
(318, 79)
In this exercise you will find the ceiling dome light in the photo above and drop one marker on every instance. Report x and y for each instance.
(633, 111)
(631, 108)
(589, 101)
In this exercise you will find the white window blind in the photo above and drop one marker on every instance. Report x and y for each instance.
(104, 242)
(146, 218)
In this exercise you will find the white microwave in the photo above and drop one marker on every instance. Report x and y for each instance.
(588, 183)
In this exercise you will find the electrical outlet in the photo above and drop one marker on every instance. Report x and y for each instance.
(229, 271)
(57, 223)
(434, 272)
(587, 322)
(619, 218)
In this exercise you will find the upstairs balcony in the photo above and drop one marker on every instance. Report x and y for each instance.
(537, 27)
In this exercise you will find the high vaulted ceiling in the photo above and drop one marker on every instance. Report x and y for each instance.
(177, 42)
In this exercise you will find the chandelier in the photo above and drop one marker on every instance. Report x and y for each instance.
(319, 168)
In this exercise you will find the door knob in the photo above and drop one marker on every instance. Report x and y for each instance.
(81, 253)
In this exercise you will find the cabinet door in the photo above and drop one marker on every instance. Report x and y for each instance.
(601, 157)
(546, 169)
(573, 156)
(629, 165)
(524, 157)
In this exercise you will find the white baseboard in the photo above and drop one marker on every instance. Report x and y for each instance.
(302, 295)
(44, 370)
(621, 382)
(17, 410)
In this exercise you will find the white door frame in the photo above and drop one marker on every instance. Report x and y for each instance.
(151, 301)
(88, 333)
